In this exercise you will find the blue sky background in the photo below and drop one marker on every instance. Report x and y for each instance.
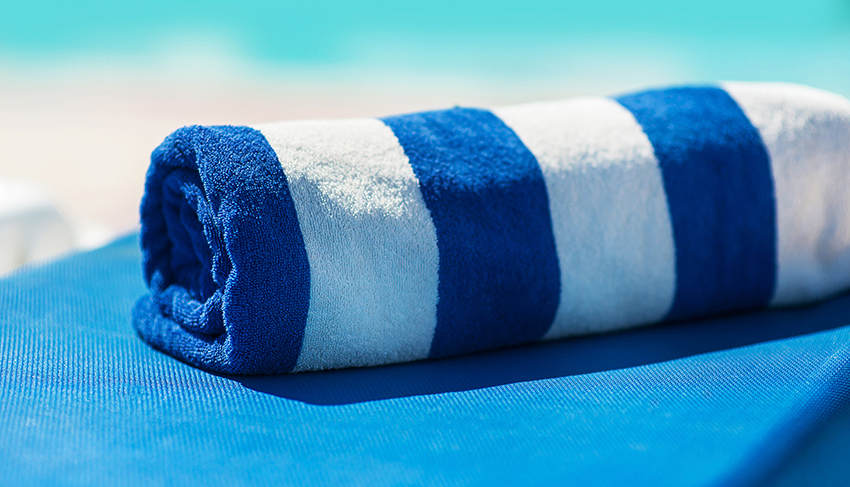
(583, 46)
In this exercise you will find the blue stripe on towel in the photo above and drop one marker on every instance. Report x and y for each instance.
(499, 281)
(222, 197)
(719, 188)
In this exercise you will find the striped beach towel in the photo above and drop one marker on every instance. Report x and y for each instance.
(310, 245)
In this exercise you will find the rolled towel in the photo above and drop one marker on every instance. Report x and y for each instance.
(310, 245)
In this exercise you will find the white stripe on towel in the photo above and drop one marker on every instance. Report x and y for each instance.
(609, 213)
(807, 134)
(370, 242)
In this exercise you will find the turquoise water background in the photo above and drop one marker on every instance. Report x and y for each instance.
(589, 45)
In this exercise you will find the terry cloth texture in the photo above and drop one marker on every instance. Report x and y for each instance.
(755, 399)
(310, 245)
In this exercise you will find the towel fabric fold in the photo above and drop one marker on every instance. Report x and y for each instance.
(320, 244)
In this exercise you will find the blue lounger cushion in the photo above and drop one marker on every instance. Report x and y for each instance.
(310, 245)
(751, 399)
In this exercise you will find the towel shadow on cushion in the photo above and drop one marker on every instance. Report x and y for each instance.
(552, 359)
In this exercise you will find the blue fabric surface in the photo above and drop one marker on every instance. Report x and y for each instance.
(499, 281)
(719, 190)
(222, 247)
(757, 399)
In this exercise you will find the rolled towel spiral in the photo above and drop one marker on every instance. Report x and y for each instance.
(311, 245)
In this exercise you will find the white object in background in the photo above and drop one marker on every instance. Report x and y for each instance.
(31, 227)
